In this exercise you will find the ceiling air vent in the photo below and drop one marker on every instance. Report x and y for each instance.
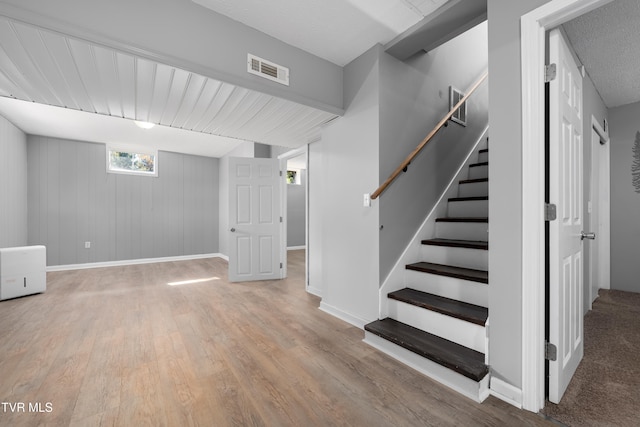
(268, 70)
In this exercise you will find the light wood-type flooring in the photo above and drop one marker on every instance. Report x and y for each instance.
(176, 344)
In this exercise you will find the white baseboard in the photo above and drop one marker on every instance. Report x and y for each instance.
(295, 248)
(315, 291)
(132, 262)
(342, 315)
(506, 392)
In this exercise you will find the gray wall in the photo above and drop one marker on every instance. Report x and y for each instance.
(414, 96)
(625, 201)
(296, 208)
(350, 164)
(316, 219)
(72, 200)
(13, 185)
(183, 34)
(505, 188)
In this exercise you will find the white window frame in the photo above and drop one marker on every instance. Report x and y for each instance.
(132, 149)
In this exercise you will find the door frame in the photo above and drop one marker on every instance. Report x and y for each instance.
(601, 257)
(533, 28)
(283, 158)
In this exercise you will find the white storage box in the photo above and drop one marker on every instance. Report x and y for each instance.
(22, 271)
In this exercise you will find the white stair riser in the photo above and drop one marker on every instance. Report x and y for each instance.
(477, 391)
(463, 230)
(458, 257)
(450, 328)
(449, 287)
(483, 157)
(478, 172)
(474, 189)
(468, 208)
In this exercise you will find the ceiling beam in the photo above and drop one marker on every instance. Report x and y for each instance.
(447, 22)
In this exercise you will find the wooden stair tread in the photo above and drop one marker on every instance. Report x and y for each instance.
(462, 219)
(460, 359)
(475, 165)
(471, 244)
(447, 306)
(468, 199)
(473, 181)
(480, 276)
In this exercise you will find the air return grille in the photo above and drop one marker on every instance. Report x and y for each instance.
(460, 116)
(268, 70)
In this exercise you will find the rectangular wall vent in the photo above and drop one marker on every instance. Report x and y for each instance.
(268, 70)
(460, 116)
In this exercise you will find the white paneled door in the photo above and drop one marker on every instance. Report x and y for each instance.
(565, 241)
(254, 219)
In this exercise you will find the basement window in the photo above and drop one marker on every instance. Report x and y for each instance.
(132, 160)
(293, 177)
(460, 115)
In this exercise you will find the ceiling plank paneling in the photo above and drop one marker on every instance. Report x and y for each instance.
(145, 74)
(207, 96)
(192, 94)
(127, 78)
(49, 68)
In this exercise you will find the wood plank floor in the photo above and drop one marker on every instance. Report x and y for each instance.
(141, 345)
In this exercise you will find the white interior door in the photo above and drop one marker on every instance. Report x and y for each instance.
(565, 242)
(254, 219)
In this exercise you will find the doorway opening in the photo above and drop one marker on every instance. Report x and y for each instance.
(534, 26)
(295, 202)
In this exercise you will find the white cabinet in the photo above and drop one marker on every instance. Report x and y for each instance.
(22, 271)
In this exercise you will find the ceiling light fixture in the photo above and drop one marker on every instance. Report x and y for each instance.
(144, 125)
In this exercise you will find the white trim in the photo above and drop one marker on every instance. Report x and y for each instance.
(296, 248)
(133, 262)
(506, 392)
(314, 291)
(343, 315)
(533, 28)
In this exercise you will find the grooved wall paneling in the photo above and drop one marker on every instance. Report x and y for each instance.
(73, 200)
(13, 185)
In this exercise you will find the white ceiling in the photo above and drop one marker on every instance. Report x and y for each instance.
(607, 41)
(336, 30)
(56, 122)
(47, 68)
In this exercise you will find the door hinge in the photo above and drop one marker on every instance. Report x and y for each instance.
(550, 72)
(280, 219)
(280, 265)
(280, 173)
(550, 212)
(550, 351)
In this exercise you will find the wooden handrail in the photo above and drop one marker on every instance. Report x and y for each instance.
(403, 166)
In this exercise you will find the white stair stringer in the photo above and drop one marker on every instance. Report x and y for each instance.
(451, 328)
(477, 259)
(477, 391)
(448, 287)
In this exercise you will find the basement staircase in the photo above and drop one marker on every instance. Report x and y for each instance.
(437, 322)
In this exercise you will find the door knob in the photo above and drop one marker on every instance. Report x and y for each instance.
(590, 236)
(233, 230)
